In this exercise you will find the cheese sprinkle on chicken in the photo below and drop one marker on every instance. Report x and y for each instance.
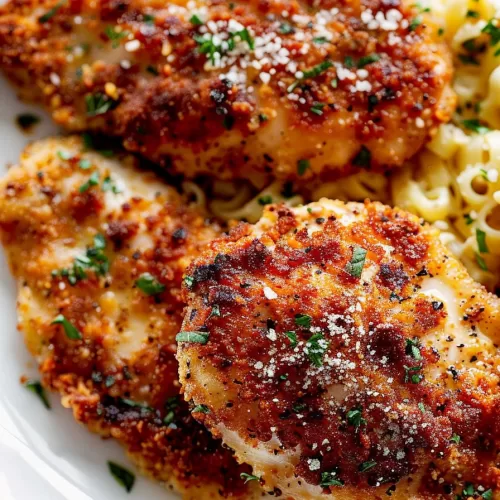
(98, 248)
(341, 350)
(237, 89)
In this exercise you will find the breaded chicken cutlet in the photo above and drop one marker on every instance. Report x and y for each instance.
(343, 352)
(237, 89)
(98, 248)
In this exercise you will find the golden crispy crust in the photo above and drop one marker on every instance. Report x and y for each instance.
(237, 89)
(343, 343)
(120, 378)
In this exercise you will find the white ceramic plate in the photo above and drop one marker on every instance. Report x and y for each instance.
(45, 455)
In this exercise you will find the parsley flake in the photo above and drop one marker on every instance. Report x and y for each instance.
(92, 181)
(115, 36)
(411, 375)
(455, 439)
(366, 466)
(316, 348)
(357, 262)
(52, 12)
(69, 329)
(292, 337)
(36, 388)
(481, 241)
(369, 59)
(302, 166)
(201, 409)
(265, 200)
(194, 19)
(148, 284)
(363, 158)
(310, 73)
(355, 417)
(123, 476)
(412, 348)
(475, 126)
(249, 477)
(97, 104)
(192, 337)
(303, 320)
(330, 479)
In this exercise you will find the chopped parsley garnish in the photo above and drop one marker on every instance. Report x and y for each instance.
(472, 13)
(148, 284)
(348, 62)
(263, 117)
(265, 200)
(194, 19)
(411, 375)
(292, 337)
(64, 155)
(440, 31)
(249, 477)
(363, 159)
(317, 108)
(369, 59)
(303, 320)
(215, 311)
(148, 18)
(286, 29)
(84, 164)
(357, 262)
(201, 409)
(488, 495)
(310, 73)
(481, 263)
(413, 349)
(135, 404)
(415, 23)
(468, 219)
(109, 185)
(320, 40)
(115, 36)
(52, 12)
(355, 417)
(192, 337)
(188, 281)
(493, 30)
(366, 466)
(481, 241)
(36, 388)
(92, 181)
(421, 407)
(299, 407)
(97, 104)
(27, 120)
(302, 166)
(455, 439)
(123, 476)
(316, 348)
(475, 126)
(69, 329)
(207, 46)
(170, 406)
(330, 479)
(110, 381)
(93, 260)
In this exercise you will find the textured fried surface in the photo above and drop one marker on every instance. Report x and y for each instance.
(236, 89)
(121, 378)
(374, 376)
